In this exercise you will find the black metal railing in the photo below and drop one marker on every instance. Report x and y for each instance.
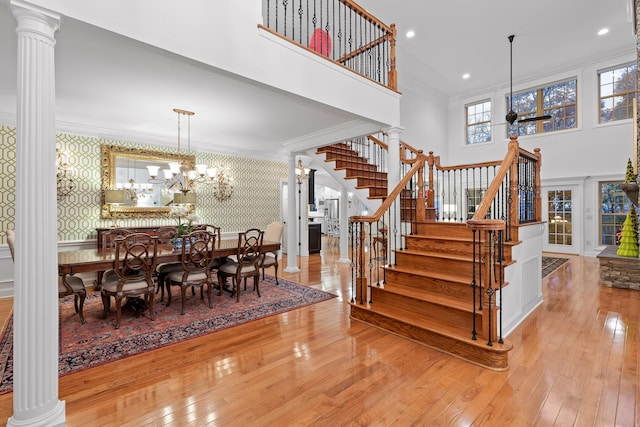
(493, 201)
(340, 30)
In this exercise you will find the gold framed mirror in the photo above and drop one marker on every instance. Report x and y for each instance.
(125, 169)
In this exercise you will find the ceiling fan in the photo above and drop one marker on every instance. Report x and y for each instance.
(512, 116)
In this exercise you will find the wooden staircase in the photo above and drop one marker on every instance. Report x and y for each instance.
(427, 296)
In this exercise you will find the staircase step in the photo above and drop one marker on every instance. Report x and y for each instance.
(461, 266)
(450, 313)
(455, 245)
(433, 335)
(444, 229)
(429, 281)
(348, 163)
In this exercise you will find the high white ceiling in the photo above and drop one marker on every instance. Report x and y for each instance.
(128, 90)
(469, 36)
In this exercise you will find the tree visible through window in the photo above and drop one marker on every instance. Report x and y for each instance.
(614, 205)
(557, 100)
(478, 122)
(617, 91)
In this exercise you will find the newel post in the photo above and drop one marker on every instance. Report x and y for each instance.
(393, 74)
(431, 209)
(488, 276)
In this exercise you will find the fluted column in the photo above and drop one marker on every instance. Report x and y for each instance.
(292, 217)
(393, 176)
(35, 338)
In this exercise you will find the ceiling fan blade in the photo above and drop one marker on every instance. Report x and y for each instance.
(534, 119)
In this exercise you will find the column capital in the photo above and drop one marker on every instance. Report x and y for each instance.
(35, 19)
(394, 129)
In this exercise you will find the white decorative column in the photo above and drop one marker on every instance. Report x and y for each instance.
(393, 176)
(35, 338)
(303, 217)
(292, 217)
(344, 227)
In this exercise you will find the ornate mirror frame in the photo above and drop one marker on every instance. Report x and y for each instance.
(109, 156)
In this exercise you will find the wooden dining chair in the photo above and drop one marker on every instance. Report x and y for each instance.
(273, 233)
(109, 236)
(132, 275)
(247, 264)
(67, 284)
(166, 235)
(195, 268)
(108, 242)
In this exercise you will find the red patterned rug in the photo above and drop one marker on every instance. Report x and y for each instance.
(97, 341)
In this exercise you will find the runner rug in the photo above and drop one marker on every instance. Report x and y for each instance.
(97, 341)
(551, 264)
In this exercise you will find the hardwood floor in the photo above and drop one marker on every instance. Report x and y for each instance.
(574, 363)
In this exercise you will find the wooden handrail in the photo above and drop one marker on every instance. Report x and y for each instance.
(467, 166)
(378, 142)
(362, 12)
(386, 204)
(492, 190)
(364, 48)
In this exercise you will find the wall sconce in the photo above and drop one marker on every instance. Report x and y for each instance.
(222, 183)
(64, 176)
(350, 198)
(114, 198)
(302, 172)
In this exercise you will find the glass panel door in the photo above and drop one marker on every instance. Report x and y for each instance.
(558, 210)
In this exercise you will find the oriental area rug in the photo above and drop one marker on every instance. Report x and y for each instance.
(98, 342)
(551, 264)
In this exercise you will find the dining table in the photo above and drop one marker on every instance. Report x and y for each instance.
(100, 259)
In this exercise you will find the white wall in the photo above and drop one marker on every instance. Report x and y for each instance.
(591, 153)
(225, 35)
(424, 118)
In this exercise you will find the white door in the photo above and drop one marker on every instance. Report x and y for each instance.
(561, 211)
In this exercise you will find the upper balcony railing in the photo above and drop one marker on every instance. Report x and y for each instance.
(340, 30)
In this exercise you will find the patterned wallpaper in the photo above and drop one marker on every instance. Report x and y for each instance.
(255, 201)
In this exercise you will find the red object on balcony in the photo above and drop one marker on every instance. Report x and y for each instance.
(320, 42)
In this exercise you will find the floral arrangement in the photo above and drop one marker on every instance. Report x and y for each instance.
(184, 227)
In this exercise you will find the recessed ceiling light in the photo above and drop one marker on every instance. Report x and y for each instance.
(603, 31)
(410, 34)
(466, 76)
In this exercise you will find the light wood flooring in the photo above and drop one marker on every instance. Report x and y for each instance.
(574, 363)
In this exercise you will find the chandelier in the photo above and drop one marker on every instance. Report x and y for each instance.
(180, 178)
(64, 175)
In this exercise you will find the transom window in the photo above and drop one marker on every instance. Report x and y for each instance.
(617, 92)
(478, 122)
(614, 205)
(558, 100)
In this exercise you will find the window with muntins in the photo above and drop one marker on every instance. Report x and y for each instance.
(478, 122)
(617, 90)
(614, 205)
(558, 100)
